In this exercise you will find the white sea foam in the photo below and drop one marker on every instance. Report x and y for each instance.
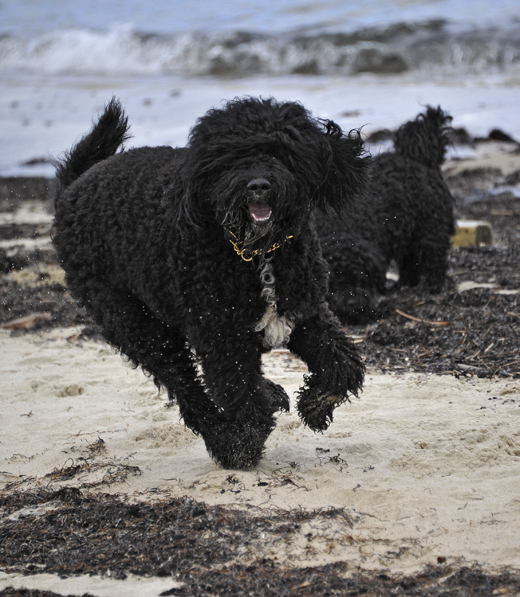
(432, 46)
(60, 63)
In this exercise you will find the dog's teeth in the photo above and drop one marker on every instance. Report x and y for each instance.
(260, 212)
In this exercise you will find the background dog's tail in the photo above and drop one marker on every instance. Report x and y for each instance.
(106, 136)
(426, 138)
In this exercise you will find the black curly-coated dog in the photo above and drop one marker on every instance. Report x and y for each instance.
(204, 257)
(407, 219)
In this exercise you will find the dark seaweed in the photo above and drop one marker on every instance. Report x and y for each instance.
(204, 547)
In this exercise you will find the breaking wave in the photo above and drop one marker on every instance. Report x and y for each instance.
(433, 47)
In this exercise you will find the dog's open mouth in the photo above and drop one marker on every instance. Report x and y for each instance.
(260, 213)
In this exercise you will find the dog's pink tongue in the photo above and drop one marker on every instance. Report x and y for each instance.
(260, 213)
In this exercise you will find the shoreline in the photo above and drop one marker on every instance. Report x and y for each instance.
(43, 116)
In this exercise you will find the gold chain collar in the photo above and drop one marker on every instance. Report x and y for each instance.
(248, 255)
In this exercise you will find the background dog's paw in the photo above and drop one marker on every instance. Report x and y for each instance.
(355, 306)
(316, 408)
(278, 396)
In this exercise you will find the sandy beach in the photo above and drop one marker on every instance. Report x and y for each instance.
(415, 487)
(426, 465)
(423, 467)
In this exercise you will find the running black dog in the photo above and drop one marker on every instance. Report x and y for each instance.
(204, 257)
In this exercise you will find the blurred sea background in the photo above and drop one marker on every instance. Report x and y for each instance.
(368, 63)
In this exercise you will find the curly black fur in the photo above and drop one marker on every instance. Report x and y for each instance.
(407, 219)
(151, 238)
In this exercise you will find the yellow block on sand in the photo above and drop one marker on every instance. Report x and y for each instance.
(472, 233)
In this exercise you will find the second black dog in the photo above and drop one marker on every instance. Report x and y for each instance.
(406, 220)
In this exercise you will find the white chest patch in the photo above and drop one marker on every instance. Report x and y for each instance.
(277, 328)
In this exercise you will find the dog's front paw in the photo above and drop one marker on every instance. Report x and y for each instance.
(278, 396)
(316, 407)
(238, 446)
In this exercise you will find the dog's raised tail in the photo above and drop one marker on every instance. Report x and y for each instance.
(105, 138)
(426, 138)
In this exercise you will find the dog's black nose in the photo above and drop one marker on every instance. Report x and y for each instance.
(259, 186)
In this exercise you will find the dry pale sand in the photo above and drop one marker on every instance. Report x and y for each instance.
(427, 466)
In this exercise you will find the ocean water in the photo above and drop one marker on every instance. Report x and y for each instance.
(369, 63)
(268, 37)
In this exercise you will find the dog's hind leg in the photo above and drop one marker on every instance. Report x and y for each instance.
(409, 267)
(426, 264)
(159, 349)
(336, 369)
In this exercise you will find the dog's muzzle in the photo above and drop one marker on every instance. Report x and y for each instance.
(258, 192)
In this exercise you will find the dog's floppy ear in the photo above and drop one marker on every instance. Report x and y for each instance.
(346, 168)
(187, 190)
